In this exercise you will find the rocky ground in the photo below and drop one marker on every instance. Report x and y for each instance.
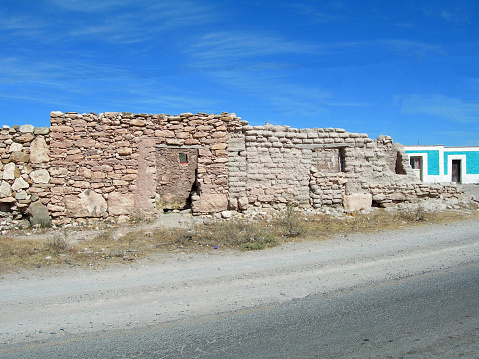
(62, 303)
(48, 303)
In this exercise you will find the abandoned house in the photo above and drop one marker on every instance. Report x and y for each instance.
(114, 165)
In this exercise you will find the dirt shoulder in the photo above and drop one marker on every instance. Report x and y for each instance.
(59, 303)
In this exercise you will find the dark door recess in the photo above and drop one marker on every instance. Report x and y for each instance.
(456, 171)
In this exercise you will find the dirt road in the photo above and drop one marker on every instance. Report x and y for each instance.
(54, 303)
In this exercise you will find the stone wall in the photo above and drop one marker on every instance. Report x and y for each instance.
(86, 167)
(320, 168)
(106, 165)
(24, 172)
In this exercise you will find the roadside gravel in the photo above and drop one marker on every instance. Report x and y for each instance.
(57, 303)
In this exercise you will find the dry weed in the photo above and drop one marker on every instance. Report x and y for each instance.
(121, 244)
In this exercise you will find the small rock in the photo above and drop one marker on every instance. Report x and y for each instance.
(226, 214)
(27, 128)
(40, 176)
(39, 214)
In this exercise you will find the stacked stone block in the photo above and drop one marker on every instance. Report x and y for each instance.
(319, 167)
(24, 174)
(87, 167)
(104, 165)
(327, 190)
(385, 195)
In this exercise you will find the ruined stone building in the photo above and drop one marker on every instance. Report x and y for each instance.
(116, 165)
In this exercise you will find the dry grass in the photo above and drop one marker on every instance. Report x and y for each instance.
(28, 253)
(112, 246)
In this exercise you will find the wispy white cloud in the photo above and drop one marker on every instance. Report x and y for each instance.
(23, 25)
(114, 21)
(221, 45)
(459, 15)
(17, 69)
(144, 21)
(91, 6)
(221, 48)
(465, 136)
(452, 108)
(174, 98)
(325, 14)
(349, 104)
(408, 48)
(286, 97)
(417, 48)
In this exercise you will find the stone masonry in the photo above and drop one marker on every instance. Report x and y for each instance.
(87, 167)
(322, 167)
(24, 171)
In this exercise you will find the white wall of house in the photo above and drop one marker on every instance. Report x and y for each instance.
(444, 174)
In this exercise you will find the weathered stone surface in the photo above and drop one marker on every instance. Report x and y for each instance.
(226, 214)
(84, 172)
(55, 208)
(164, 133)
(27, 128)
(61, 128)
(40, 176)
(21, 195)
(357, 201)
(58, 171)
(5, 190)
(124, 151)
(9, 171)
(56, 114)
(39, 152)
(26, 137)
(39, 214)
(85, 142)
(138, 122)
(20, 183)
(19, 157)
(213, 203)
(260, 166)
(219, 146)
(41, 130)
(243, 203)
(86, 204)
(120, 203)
(16, 147)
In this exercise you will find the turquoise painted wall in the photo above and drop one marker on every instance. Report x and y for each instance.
(432, 161)
(472, 160)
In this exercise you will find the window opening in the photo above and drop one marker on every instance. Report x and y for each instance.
(341, 160)
(415, 163)
(183, 157)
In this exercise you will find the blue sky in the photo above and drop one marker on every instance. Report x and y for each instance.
(408, 69)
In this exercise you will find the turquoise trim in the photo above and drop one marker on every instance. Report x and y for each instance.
(472, 160)
(432, 161)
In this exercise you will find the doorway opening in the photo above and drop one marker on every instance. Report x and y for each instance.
(456, 171)
(176, 177)
(416, 165)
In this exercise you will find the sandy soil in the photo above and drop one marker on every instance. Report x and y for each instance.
(56, 303)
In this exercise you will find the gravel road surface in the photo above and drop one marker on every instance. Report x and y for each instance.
(57, 304)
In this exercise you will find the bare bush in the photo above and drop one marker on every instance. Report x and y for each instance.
(415, 214)
(57, 244)
(291, 222)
